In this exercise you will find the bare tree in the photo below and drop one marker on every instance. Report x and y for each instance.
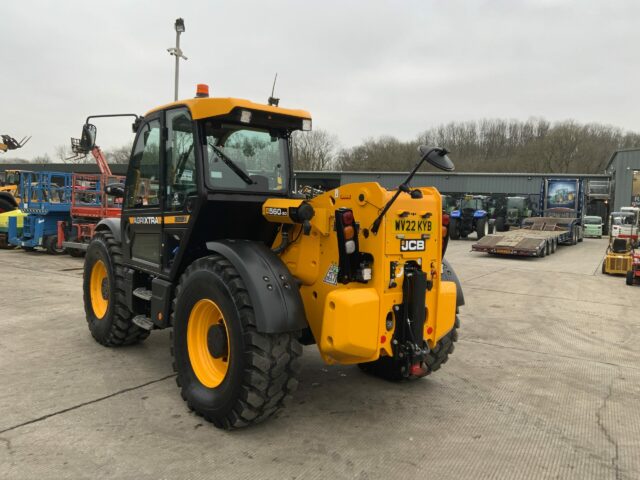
(65, 155)
(315, 150)
(384, 153)
(14, 160)
(119, 156)
(41, 159)
(531, 146)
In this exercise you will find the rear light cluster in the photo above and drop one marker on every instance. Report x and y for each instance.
(349, 232)
(353, 264)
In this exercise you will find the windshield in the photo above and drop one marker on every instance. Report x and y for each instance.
(474, 203)
(515, 202)
(622, 219)
(12, 179)
(246, 159)
(592, 220)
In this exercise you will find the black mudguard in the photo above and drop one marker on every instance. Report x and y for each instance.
(449, 275)
(112, 225)
(273, 290)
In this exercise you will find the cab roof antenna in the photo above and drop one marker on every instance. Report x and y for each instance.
(272, 100)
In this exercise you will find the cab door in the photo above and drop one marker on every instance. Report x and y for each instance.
(179, 182)
(141, 213)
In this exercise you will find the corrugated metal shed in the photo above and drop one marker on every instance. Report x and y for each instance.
(622, 166)
(449, 183)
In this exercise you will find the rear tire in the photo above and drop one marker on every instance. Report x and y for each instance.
(4, 242)
(389, 369)
(243, 381)
(454, 229)
(109, 319)
(630, 277)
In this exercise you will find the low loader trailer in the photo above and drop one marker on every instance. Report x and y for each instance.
(539, 237)
(562, 204)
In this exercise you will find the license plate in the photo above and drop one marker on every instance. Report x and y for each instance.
(406, 225)
(503, 250)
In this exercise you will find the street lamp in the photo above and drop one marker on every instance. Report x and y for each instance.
(179, 26)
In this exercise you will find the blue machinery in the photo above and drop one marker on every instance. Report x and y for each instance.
(46, 198)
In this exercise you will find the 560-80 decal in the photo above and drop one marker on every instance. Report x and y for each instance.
(279, 212)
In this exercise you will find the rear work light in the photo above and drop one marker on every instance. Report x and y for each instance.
(245, 116)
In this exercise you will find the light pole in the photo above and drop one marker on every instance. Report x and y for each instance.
(179, 26)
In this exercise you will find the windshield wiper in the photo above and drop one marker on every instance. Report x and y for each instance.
(231, 164)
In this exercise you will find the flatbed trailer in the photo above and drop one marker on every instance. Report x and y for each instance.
(539, 236)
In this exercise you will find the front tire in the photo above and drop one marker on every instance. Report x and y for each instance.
(109, 319)
(51, 245)
(454, 229)
(227, 371)
(630, 277)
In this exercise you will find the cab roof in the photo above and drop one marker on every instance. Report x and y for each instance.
(212, 107)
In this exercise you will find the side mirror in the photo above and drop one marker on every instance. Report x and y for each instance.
(115, 189)
(437, 157)
(88, 137)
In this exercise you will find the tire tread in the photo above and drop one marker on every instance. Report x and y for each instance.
(270, 359)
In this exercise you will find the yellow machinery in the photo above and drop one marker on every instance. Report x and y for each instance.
(4, 226)
(7, 142)
(245, 268)
(619, 257)
(9, 190)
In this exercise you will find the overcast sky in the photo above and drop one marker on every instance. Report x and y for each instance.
(362, 68)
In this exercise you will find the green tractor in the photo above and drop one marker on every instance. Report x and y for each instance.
(511, 212)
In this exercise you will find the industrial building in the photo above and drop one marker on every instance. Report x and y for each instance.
(618, 186)
(624, 170)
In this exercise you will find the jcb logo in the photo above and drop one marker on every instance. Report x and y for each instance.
(412, 245)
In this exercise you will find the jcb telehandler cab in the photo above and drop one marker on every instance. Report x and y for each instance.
(214, 242)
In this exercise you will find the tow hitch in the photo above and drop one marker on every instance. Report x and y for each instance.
(409, 346)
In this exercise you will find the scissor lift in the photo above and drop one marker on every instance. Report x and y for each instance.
(89, 202)
(46, 198)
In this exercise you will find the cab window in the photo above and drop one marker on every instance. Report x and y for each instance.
(245, 159)
(181, 162)
(144, 170)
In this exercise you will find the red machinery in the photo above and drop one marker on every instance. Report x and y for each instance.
(89, 202)
(633, 275)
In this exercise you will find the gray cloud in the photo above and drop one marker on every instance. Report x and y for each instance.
(363, 68)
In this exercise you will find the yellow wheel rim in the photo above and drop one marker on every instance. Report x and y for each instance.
(99, 288)
(210, 370)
